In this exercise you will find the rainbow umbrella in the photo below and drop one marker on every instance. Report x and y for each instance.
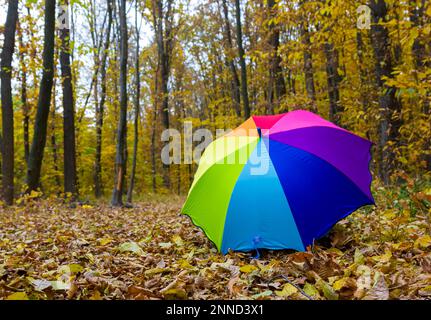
(279, 182)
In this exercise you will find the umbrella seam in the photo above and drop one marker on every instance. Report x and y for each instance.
(226, 156)
(368, 165)
(285, 195)
(230, 198)
(327, 226)
(228, 203)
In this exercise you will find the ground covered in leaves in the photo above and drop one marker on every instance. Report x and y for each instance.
(52, 250)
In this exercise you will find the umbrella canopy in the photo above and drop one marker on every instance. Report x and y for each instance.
(279, 182)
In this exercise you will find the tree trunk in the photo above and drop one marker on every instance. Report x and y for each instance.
(53, 137)
(163, 36)
(362, 70)
(241, 53)
(137, 110)
(70, 185)
(153, 125)
(44, 101)
(25, 106)
(364, 77)
(390, 106)
(235, 83)
(162, 15)
(421, 63)
(333, 79)
(291, 82)
(7, 102)
(153, 152)
(277, 84)
(98, 185)
(120, 163)
(308, 64)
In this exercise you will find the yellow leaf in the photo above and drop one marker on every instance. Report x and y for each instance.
(178, 241)
(328, 291)
(339, 284)
(287, 291)
(359, 257)
(344, 283)
(423, 242)
(175, 294)
(384, 258)
(18, 296)
(248, 268)
(425, 292)
(390, 214)
(154, 271)
(71, 268)
(131, 247)
(311, 290)
(34, 194)
(104, 241)
(96, 296)
(184, 264)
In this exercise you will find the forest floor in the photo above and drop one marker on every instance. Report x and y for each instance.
(50, 250)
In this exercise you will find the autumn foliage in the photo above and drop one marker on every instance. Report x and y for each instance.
(51, 250)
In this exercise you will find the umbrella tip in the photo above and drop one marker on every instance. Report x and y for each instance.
(259, 131)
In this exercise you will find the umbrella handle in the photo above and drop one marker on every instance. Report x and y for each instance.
(256, 240)
(257, 256)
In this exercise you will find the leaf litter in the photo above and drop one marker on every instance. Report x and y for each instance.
(49, 250)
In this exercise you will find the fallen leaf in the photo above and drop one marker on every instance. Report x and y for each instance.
(131, 247)
(40, 285)
(175, 294)
(423, 242)
(359, 257)
(104, 241)
(248, 268)
(344, 283)
(17, 296)
(165, 245)
(425, 292)
(153, 271)
(70, 269)
(262, 295)
(96, 295)
(287, 291)
(60, 285)
(379, 291)
(178, 240)
(327, 290)
(384, 258)
(311, 290)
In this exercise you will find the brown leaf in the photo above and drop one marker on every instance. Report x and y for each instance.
(379, 291)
